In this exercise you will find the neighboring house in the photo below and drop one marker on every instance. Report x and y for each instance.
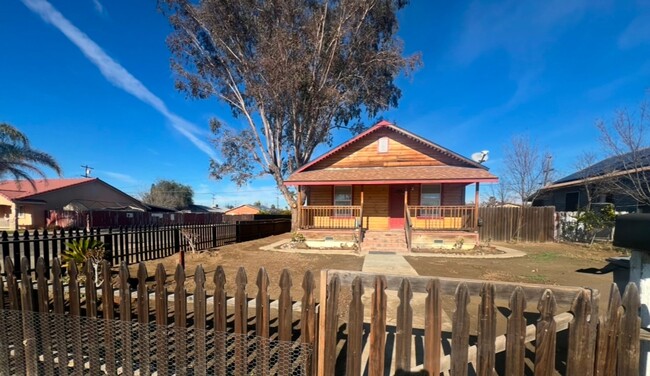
(202, 209)
(25, 206)
(244, 209)
(387, 178)
(570, 192)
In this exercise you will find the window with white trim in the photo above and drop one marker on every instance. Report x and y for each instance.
(430, 195)
(343, 197)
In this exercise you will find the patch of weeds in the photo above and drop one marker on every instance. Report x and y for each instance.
(545, 256)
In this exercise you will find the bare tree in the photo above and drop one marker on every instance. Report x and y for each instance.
(293, 70)
(527, 169)
(594, 183)
(500, 194)
(625, 139)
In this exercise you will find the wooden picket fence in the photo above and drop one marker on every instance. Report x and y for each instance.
(604, 345)
(74, 328)
(134, 244)
(500, 224)
(138, 325)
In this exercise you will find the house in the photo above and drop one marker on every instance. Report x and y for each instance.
(25, 206)
(388, 181)
(602, 178)
(244, 209)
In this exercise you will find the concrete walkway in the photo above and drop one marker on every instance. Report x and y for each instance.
(387, 263)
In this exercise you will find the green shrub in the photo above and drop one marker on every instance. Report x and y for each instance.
(297, 237)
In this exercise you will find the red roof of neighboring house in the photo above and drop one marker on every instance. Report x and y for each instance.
(377, 175)
(18, 190)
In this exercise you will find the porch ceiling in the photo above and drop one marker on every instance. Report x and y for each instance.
(393, 175)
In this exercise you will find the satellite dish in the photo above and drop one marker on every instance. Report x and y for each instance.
(480, 156)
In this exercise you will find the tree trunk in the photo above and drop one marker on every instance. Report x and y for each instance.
(295, 225)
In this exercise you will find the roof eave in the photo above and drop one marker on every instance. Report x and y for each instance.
(400, 181)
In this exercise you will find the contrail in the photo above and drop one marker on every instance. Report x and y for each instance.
(115, 73)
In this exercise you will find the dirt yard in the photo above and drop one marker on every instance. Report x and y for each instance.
(545, 263)
(249, 256)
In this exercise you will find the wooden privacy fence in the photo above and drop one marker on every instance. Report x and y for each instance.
(134, 244)
(137, 326)
(417, 334)
(501, 223)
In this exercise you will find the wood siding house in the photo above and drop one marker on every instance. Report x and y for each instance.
(388, 179)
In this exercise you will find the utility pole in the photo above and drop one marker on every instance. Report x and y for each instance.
(87, 170)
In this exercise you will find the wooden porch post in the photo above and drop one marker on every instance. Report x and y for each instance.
(299, 207)
(406, 200)
(476, 198)
(361, 211)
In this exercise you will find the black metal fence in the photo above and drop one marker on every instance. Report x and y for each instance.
(137, 243)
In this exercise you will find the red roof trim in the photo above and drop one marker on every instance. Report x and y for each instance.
(388, 182)
(386, 124)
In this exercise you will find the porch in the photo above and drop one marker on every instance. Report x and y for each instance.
(418, 217)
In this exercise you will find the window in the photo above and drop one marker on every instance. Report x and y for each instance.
(430, 196)
(571, 201)
(382, 145)
(342, 197)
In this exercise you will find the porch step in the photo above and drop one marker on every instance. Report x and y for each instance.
(384, 241)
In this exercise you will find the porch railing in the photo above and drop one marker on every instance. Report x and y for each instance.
(441, 217)
(330, 217)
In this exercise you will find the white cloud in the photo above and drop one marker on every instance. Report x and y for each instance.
(120, 177)
(636, 33)
(117, 74)
(98, 6)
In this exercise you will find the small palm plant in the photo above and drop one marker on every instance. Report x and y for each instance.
(81, 250)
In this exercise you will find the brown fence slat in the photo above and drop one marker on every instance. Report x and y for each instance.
(355, 330)
(75, 312)
(330, 315)
(125, 317)
(200, 366)
(220, 317)
(44, 309)
(4, 339)
(579, 359)
(241, 320)
(545, 336)
(15, 331)
(29, 322)
(262, 317)
(516, 334)
(404, 327)
(162, 357)
(432, 328)
(629, 347)
(58, 304)
(605, 363)
(108, 307)
(377, 339)
(285, 318)
(486, 331)
(460, 332)
(91, 327)
(143, 319)
(180, 322)
(308, 321)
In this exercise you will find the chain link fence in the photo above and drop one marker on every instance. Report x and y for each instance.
(53, 344)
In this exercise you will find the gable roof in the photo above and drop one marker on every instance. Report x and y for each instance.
(16, 190)
(392, 127)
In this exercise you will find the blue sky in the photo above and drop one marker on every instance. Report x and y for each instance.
(101, 92)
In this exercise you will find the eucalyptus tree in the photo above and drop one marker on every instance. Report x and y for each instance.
(293, 71)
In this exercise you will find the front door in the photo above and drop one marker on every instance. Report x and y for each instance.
(396, 207)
